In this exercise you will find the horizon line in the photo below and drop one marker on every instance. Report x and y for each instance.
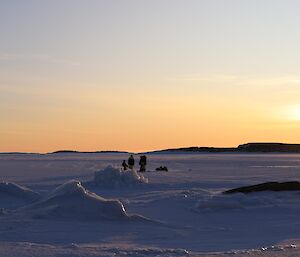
(140, 152)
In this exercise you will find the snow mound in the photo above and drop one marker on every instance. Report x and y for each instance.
(71, 200)
(115, 177)
(17, 191)
(242, 201)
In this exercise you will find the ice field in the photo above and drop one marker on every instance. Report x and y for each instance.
(54, 205)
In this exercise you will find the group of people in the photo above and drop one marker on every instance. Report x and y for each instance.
(131, 162)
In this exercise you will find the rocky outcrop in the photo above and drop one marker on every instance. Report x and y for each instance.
(269, 186)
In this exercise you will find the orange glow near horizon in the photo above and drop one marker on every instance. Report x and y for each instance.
(91, 120)
(148, 75)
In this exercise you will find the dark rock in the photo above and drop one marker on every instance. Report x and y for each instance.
(269, 186)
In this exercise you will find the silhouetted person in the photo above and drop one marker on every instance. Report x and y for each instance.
(131, 162)
(125, 165)
(143, 163)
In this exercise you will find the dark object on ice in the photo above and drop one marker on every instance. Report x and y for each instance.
(162, 168)
(124, 165)
(131, 162)
(2, 211)
(143, 163)
(269, 186)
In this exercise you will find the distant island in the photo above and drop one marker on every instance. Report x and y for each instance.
(95, 152)
(244, 148)
(269, 147)
(66, 152)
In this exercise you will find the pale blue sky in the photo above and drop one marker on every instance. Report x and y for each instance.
(172, 36)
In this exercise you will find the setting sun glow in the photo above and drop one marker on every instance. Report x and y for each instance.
(295, 113)
(147, 75)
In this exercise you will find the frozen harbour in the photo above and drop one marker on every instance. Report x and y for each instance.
(53, 207)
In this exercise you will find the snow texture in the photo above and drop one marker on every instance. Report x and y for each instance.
(71, 200)
(17, 191)
(192, 213)
(113, 177)
(220, 201)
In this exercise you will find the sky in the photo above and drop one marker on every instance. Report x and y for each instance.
(141, 75)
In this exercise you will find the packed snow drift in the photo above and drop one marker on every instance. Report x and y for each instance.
(112, 177)
(17, 191)
(71, 200)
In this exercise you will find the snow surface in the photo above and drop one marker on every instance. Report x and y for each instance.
(71, 200)
(247, 201)
(195, 218)
(117, 177)
(13, 195)
(14, 190)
